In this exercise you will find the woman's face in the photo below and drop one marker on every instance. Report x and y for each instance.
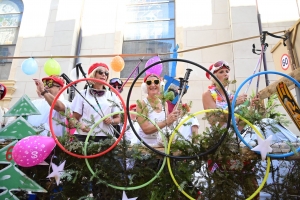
(102, 73)
(223, 76)
(153, 85)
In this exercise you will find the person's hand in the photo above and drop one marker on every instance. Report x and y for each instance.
(173, 116)
(255, 100)
(108, 121)
(84, 128)
(39, 86)
(241, 99)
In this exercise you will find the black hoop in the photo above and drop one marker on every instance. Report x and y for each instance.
(212, 149)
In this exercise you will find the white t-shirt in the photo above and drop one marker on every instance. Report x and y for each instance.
(186, 129)
(129, 134)
(43, 119)
(106, 103)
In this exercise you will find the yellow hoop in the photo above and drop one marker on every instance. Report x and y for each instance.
(206, 111)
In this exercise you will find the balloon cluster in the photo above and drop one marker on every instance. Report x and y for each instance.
(51, 67)
(117, 64)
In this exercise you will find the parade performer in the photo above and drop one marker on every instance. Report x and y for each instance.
(214, 98)
(153, 108)
(103, 102)
(47, 90)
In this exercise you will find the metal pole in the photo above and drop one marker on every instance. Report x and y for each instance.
(78, 47)
(262, 43)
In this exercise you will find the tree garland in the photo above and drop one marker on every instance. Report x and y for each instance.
(232, 179)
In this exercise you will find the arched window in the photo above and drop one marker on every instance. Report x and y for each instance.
(11, 12)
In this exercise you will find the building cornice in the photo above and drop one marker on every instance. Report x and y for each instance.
(10, 86)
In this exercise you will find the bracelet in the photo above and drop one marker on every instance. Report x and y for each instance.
(44, 92)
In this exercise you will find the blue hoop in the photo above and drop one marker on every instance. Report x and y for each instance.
(233, 105)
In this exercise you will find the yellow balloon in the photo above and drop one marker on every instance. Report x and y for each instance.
(52, 67)
(117, 64)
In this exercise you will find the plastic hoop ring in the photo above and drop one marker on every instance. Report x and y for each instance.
(134, 187)
(205, 111)
(51, 125)
(233, 104)
(168, 155)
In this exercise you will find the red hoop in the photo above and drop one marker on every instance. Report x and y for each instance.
(51, 126)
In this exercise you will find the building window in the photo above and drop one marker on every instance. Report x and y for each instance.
(150, 28)
(11, 12)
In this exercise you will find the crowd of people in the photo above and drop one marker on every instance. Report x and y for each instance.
(96, 101)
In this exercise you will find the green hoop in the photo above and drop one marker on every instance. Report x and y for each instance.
(119, 187)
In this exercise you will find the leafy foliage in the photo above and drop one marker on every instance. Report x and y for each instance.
(235, 175)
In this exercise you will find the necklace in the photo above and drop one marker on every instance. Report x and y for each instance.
(219, 93)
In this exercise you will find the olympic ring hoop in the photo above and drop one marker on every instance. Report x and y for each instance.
(168, 155)
(205, 111)
(134, 187)
(51, 125)
(233, 104)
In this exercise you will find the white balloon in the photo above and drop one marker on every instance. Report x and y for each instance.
(73, 74)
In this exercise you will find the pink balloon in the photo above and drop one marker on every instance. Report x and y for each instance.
(32, 150)
(156, 69)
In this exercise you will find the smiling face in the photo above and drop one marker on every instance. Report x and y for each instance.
(101, 73)
(52, 86)
(223, 75)
(153, 85)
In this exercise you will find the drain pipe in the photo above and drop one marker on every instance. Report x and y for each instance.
(76, 60)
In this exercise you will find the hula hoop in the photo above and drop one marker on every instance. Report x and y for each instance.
(51, 126)
(205, 111)
(134, 187)
(233, 104)
(168, 155)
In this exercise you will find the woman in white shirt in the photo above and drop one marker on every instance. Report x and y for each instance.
(152, 107)
(103, 102)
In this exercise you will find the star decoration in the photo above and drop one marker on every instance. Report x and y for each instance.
(57, 171)
(263, 146)
(126, 198)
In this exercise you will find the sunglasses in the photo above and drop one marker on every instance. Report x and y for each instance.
(149, 82)
(106, 73)
(115, 80)
(96, 93)
(50, 84)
